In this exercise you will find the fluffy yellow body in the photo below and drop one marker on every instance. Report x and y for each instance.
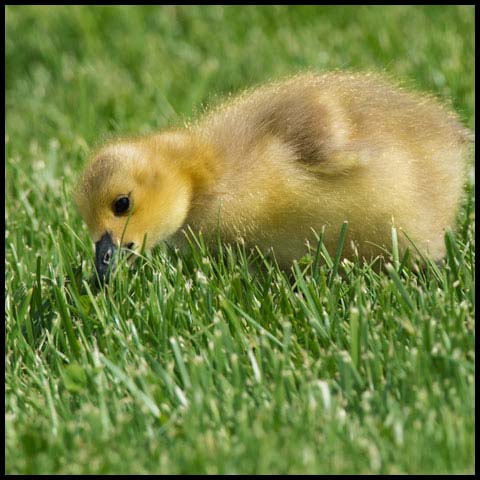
(281, 161)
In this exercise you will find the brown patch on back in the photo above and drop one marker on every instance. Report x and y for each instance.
(300, 121)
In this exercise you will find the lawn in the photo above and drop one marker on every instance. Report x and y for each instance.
(193, 362)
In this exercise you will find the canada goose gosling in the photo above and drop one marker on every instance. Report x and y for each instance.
(278, 162)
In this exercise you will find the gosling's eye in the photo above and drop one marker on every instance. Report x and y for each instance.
(121, 206)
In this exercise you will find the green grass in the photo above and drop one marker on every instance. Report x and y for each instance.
(194, 363)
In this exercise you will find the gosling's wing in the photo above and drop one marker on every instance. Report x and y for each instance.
(308, 121)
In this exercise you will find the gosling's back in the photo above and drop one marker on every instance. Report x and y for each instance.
(316, 150)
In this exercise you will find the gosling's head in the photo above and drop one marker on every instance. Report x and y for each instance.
(134, 191)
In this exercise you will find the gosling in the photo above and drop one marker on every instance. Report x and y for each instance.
(278, 164)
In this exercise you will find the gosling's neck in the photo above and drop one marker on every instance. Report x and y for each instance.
(201, 166)
(194, 156)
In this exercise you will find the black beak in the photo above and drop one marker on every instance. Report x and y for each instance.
(104, 260)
